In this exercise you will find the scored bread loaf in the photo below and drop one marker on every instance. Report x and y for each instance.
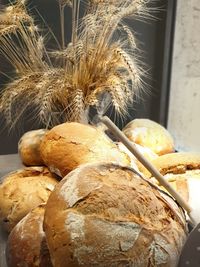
(150, 134)
(29, 147)
(69, 145)
(103, 215)
(26, 245)
(23, 190)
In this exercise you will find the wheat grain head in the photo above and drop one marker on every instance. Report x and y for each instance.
(12, 16)
(96, 62)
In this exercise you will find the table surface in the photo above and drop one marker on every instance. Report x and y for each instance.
(8, 163)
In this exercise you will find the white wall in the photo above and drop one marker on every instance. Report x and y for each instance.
(184, 108)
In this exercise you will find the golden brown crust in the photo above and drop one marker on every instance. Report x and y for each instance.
(29, 147)
(26, 244)
(106, 215)
(22, 191)
(182, 188)
(182, 171)
(69, 145)
(150, 134)
(28, 171)
(176, 163)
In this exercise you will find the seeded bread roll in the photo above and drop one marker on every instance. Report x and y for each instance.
(26, 244)
(182, 171)
(69, 145)
(105, 215)
(21, 191)
(29, 147)
(150, 134)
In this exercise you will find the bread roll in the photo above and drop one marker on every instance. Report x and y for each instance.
(105, 215)
(150, 134)
(69, 145)
(26, 244)
(21, 191)
(29, 147)
(182, 171)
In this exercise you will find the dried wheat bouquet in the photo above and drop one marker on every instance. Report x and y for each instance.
(101, 59)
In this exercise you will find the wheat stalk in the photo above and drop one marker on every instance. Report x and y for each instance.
(96, 63)
(65, 2)
(12, 17)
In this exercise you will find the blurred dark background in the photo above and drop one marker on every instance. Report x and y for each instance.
(156, 41)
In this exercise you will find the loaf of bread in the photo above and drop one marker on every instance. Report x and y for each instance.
(29, 147)
(26, 244)
(103, 215)
(23, 190)
(69, 145)
(182, 171)
(150, 134)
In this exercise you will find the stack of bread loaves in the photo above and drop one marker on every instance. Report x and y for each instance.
(20, 192)
(23, 190)
(102, 213)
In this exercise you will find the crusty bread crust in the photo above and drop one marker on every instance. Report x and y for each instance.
(176, 163)
(68, 145)
(103, 215)
(26, 244)
(28, 171)
(29, 147)
(182, 171)
(23, 190)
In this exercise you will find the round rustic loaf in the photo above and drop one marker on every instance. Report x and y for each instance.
(29, 147)
(182, 171)
(150, 134)
(23, 190)
(69, 145)
(26, 245)
(103, 215)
